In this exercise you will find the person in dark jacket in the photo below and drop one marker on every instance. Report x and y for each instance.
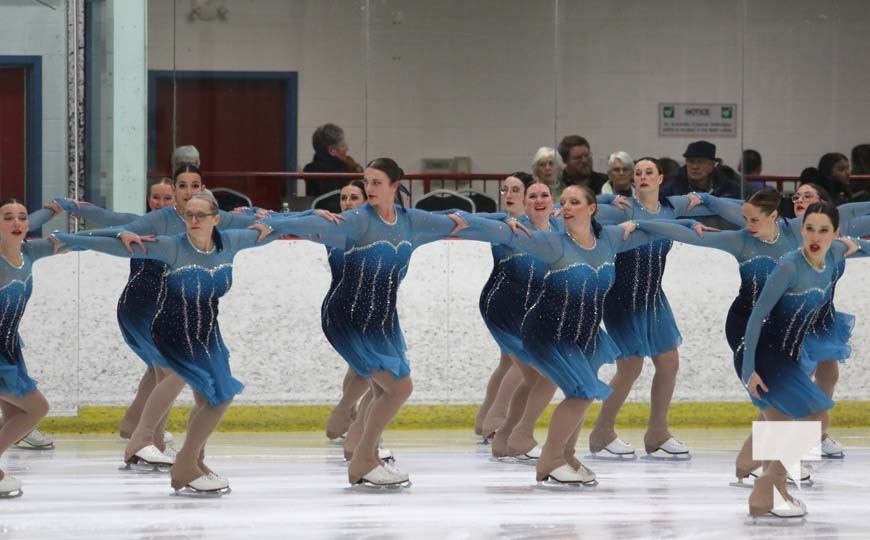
(701, 174)
(330, 156)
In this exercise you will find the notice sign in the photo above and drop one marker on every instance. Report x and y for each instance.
(697, 119)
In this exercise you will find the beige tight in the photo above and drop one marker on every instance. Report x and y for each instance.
(20, 415)
(498, 394)
(562, 436)
(201, 423)
(774, 475)
(667, 365)
(352, 389)
(155, 412)
(521, 438)
(388, 396)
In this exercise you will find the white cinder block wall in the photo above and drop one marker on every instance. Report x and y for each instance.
(495, 80)
(271, 323)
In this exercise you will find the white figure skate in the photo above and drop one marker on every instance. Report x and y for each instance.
(672, 450)
(207, 485)
(36, 440)
(748, 481)
(567, 476)
(384, 477)
(831, 449)
(10, 487)
(149, 459)
(528, 458)
(616, 450)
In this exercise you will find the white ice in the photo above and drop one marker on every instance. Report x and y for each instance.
(295, 486)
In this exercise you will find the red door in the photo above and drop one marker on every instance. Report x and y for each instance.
(238, 124)
(13, 91)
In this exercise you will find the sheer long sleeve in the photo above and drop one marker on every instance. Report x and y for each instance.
(317, 229)
(37, 249)
(164, 249)
(728, 241)
(543, 245)
(39, 218)
(96, 214)
(778, 282)
(731, 210)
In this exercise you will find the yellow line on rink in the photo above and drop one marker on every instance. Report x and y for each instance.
(417, 416)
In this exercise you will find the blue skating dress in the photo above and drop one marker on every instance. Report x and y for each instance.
(787, 308)
(360, 319)
(756, 258)
(562, 334)
(637, 314)
(512, 288)
(185, 328)
(138, 302)
(16, 285)
(829, 339)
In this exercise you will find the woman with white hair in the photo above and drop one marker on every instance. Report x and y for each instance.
(620, 167)
(547, 168)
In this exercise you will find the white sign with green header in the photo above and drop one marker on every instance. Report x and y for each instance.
(697, 119)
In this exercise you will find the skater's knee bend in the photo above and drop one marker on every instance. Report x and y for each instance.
(630, 368)
(827, 374)
(403, 388)
(36, 404)
(667, 363)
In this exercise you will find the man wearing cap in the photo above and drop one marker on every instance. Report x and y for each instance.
(701, 174)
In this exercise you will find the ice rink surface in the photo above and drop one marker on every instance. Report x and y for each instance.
(294, 485)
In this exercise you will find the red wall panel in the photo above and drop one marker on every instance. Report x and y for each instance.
(12, 132)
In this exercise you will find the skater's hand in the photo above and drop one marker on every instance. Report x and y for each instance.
(264, 229)
(699, 229)
(59, 247)
(694, 200)
(851, 244)
(754, 383)
(460, 223)
(622, 202)
(516, 226)
(329, 216)
(129, 239)
(628, 227)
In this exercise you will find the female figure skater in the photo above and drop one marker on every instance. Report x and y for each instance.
(353, 387)
(36, 439)
(361, 322)
(505, 377)
(828, 343)
(517, 284)
(21, 403)
(639, 318)
(561, 332)
(185, 328)
(793, 295)
(138, 306)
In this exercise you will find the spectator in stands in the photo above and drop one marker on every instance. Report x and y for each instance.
(861, 159)
(620, 173)
(577, 156)
(750, 165)
(834, 174)
(185, 155)
(547, 166)
(330, 156)
(670, 167)
(700, 174)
